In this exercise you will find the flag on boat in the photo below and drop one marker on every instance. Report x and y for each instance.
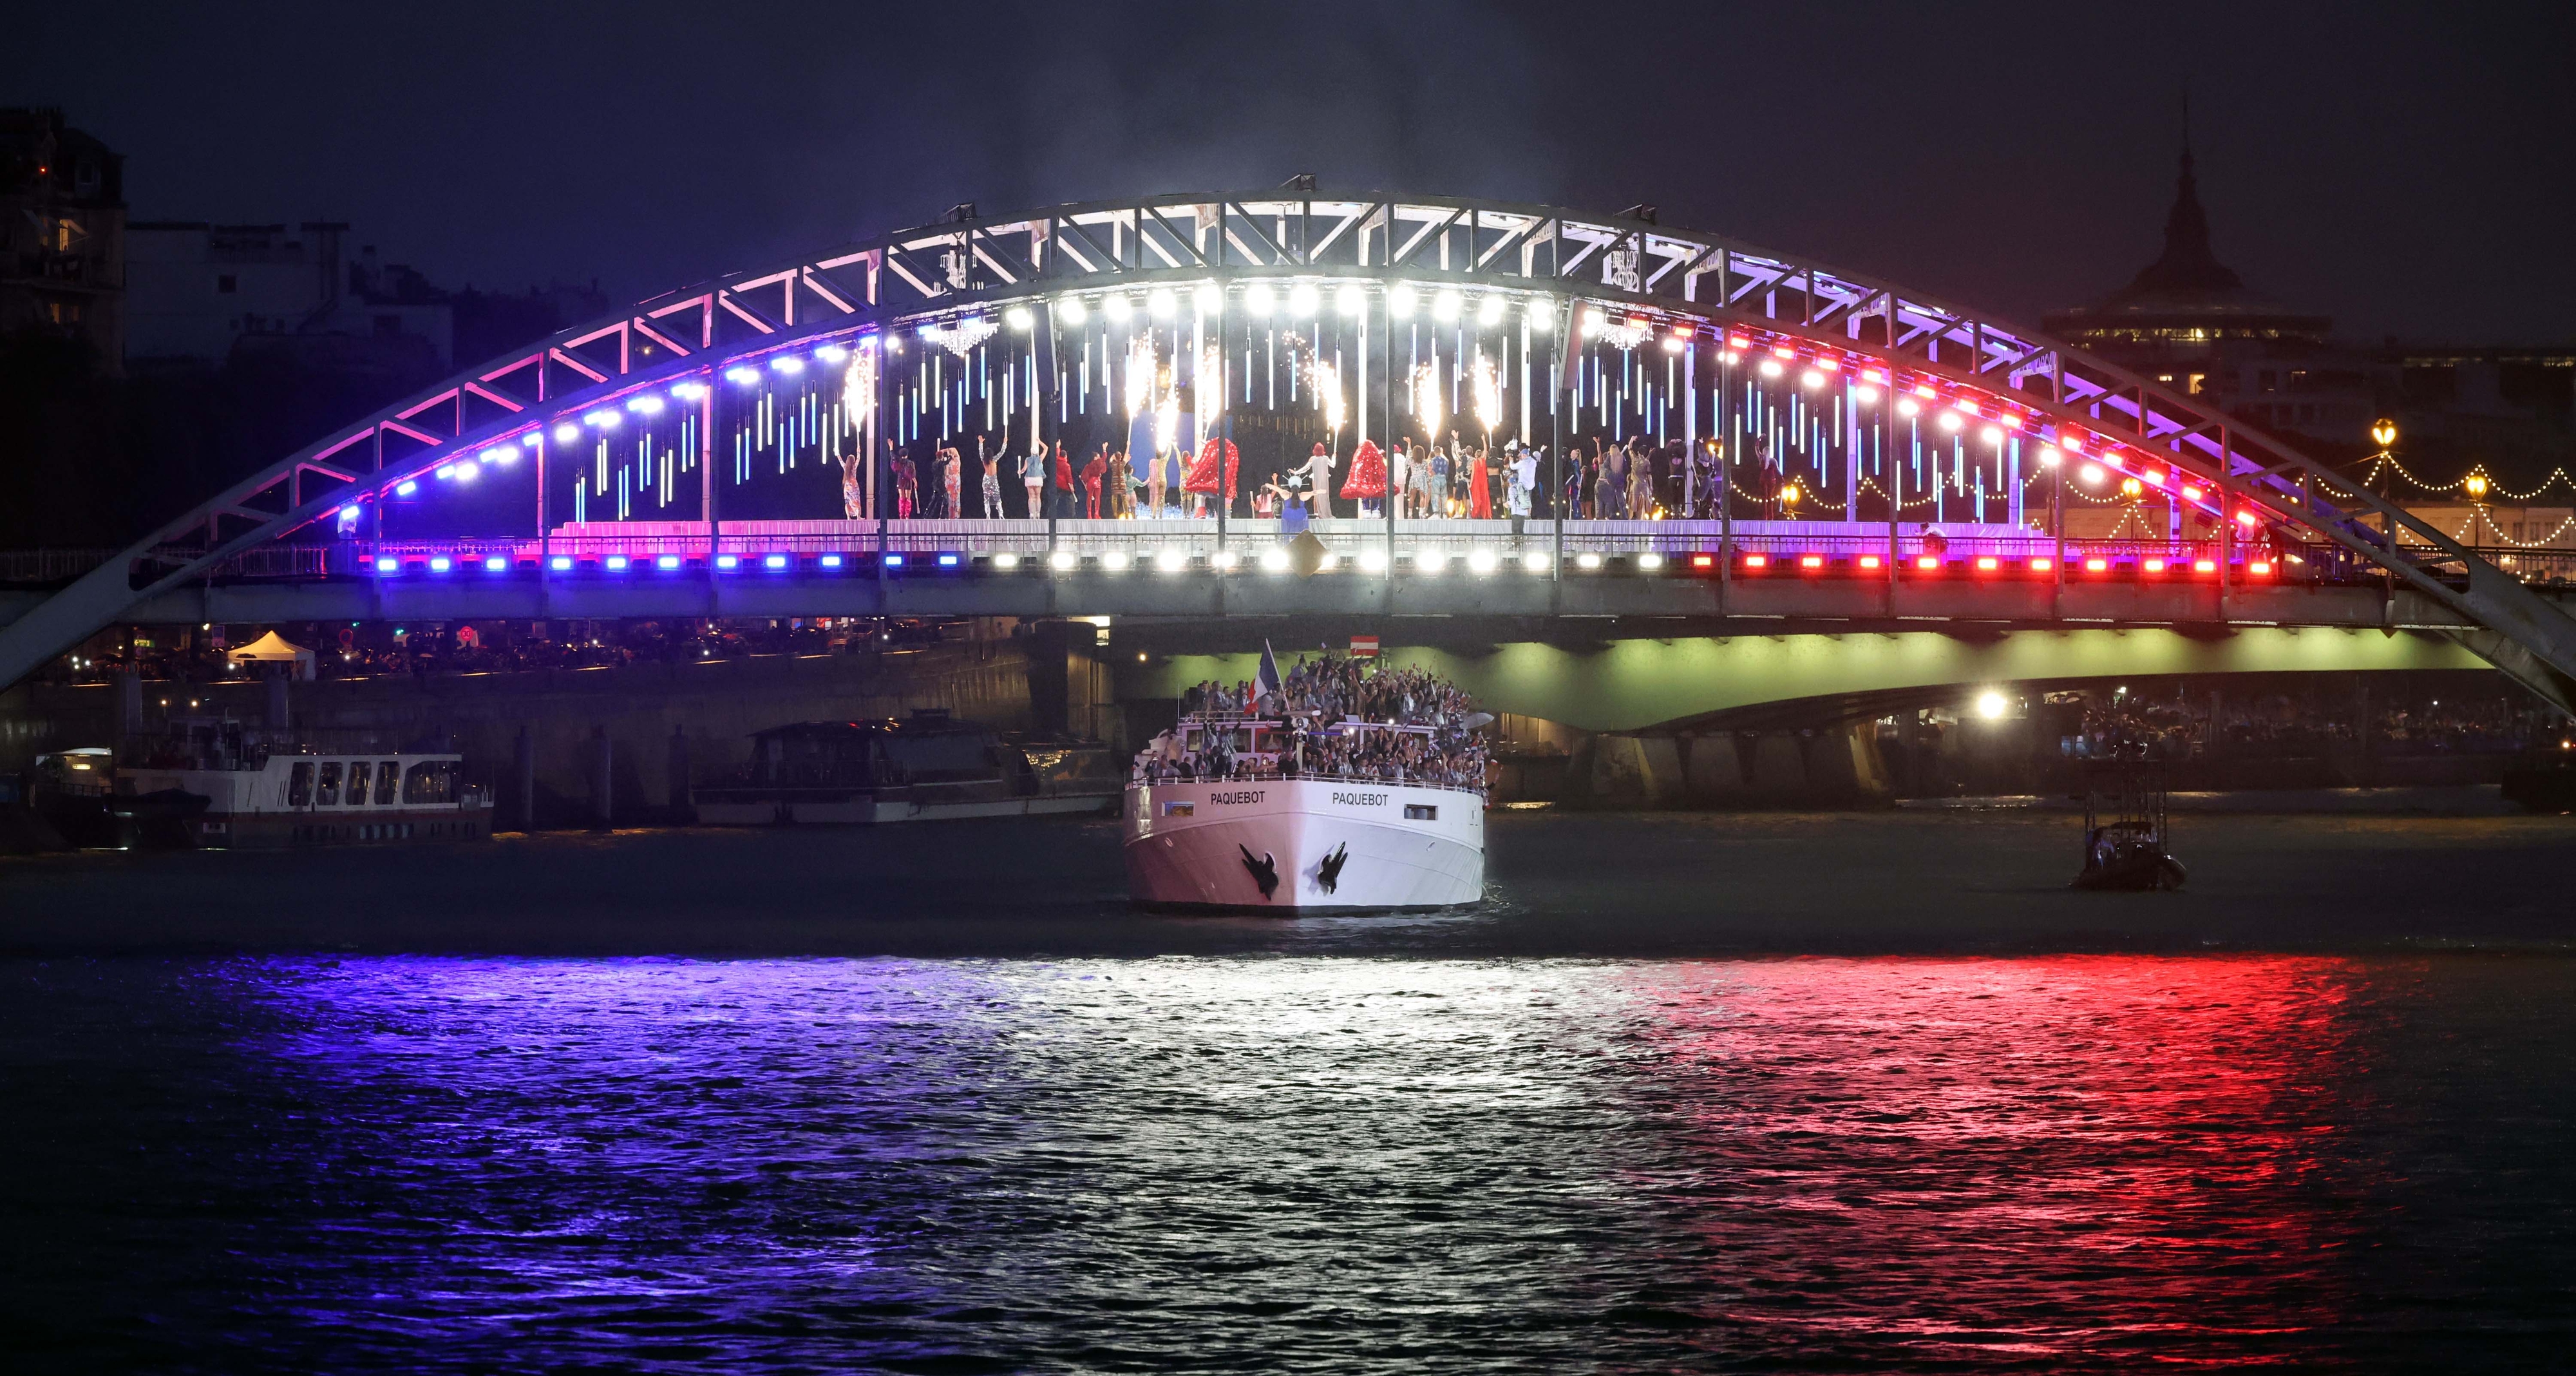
(1363, 647)
(1266, 679)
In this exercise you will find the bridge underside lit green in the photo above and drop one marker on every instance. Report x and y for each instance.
(1637, 684)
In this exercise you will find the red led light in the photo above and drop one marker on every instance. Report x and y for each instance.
(2041, 565)
(1985, 563)
(1869, 561)
(1755, 561)
(2203, 566)
(1927, 561)
(2259, 568)
(2155, 566)
(2097, 566)
(1811, 561)
(1702, 561)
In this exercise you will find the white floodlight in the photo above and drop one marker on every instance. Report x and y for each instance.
(1304, 300)
(1259, 299)
(1400, 302)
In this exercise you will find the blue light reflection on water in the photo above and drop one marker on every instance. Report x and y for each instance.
(1262, 1162)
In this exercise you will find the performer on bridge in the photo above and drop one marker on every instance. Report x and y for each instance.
(1367, 482)
(1307, 482)
(1092, 473)
(1061, 503)
(1033, 470)
(1201, 481)
(1480, 489)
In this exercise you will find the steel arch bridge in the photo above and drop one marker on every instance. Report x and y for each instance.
(752, 422)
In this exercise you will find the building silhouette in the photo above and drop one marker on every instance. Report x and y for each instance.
(62, 233)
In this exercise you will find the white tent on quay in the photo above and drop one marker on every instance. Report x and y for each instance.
(273, 648)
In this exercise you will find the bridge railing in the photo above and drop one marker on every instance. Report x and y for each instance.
(49, 565)
(1846, 548)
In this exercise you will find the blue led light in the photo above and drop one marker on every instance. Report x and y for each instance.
(493, 563)
(667, 561)
(948, 561)
(894, 561)
(743, 376)
(775, 561)
(561, 563)
(728, 561)
(388, 566)
(617, 563)
(441, 564)
(831, 561)
(406, 488)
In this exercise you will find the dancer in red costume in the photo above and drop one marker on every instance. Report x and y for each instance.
(1201, 480)
(1367, 482)
(1091, 473)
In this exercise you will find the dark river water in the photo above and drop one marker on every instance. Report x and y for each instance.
(2220, 1130)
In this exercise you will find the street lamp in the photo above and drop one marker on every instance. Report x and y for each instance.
(2384, 433)
(2477, 485)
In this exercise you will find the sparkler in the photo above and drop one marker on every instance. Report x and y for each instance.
(1426, 398)
(1210, 386)
(1140, 374)
(1489, 397)
(859, 387)
(1326, 380)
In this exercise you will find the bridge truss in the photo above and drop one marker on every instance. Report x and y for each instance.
(772, 399)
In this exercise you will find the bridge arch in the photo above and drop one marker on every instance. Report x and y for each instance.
(849, 349)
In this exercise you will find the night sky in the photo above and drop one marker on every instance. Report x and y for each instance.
(2406, 168)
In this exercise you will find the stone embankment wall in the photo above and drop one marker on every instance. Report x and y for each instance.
(1835, 767)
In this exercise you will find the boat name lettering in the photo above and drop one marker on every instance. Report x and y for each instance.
(1250, 795)
(1361, 799)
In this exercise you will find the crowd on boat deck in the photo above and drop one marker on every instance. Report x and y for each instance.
(1317, 701)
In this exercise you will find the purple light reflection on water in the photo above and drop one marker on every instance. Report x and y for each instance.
(1233, 1163)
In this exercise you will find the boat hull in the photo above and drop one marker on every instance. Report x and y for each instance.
(1322, 846)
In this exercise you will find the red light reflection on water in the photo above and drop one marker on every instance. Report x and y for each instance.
(2064, 1159)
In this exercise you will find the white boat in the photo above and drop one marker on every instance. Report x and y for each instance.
(266, 790)
(1266, 841)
